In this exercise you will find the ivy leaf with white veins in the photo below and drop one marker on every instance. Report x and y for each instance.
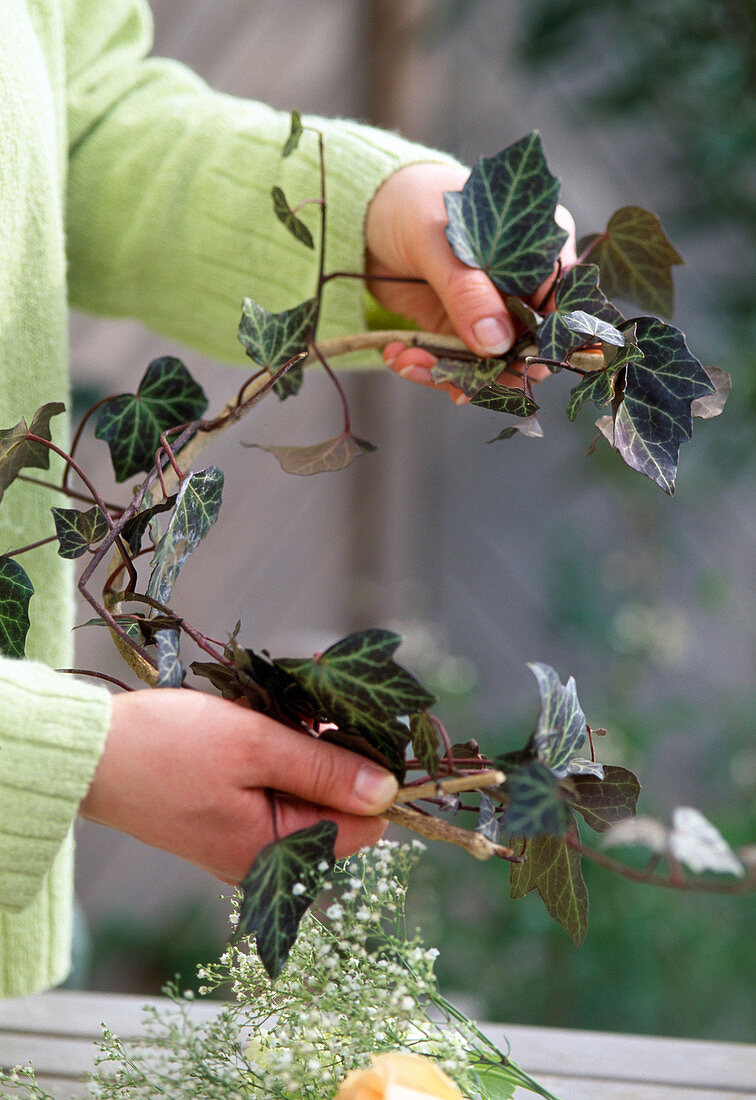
(561, 727)
(530, 426)
(505, 399)
(17, 452)
(692, 840)
(131, 424)
(318, 458)
(77, 531)
(577, 290)
(536, 804)
(654, 417)
(171, 671)
(635, 259)
(598, 387)
(197, 506)
(279, 888)
(289, 219)
(272, 339)
(426, 741)
(469, 375)
(553, 869)
(586, 325)
(16, 590)
(488, 824)
(502, 221)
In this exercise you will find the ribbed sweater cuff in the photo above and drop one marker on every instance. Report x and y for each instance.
(52, 730)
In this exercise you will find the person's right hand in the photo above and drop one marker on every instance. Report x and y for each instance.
(188, 772)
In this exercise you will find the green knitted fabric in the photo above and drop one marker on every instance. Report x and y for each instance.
(127, 188)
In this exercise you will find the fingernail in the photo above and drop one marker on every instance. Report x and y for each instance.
(375, 787)
(390, 362)
(493, 335)
(461, 399)
(415, 373)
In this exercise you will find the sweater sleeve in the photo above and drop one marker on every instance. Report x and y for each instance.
(170, 216)
(45, 771)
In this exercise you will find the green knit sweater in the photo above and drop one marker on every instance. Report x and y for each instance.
(127, 188)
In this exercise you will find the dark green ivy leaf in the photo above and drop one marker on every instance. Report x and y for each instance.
(553, 869)
(77, 531)
(578, 289)
(502, 221)
(635, 260)
(289, 383)
(272, 339)
(561, 727)
(505, 399)
(171, 672)
(17, 452)
(16, 590)
(295, 133)
(654, 417)
(128, 623)
(134, 528)
(318, 458)
(280, 886)
(596, 387)
(604, 802)
(469, 375)
(131, 424)
(289, 219)
(197, 505)
(536, 804)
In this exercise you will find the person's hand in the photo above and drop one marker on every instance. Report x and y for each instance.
(405, 236)
(188, 772)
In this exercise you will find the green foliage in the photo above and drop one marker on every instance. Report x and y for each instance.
(78, 531)
(197, 506)
(288, 218)
(132, 424)
(578, 289)
(273, 339)
(16, 590)
(554, 870)
(17, 451)
(171, 672)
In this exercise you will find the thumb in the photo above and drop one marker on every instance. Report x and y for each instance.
(475, 310)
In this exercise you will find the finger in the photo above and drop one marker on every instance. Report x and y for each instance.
(414, 365)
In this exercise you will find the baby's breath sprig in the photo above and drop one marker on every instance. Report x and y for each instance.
(357, 983)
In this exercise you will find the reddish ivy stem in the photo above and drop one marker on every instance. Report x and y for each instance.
(339, 388)
(114, 509)
(97, 676)
(70, 462)
(78, 435)
(30, 546)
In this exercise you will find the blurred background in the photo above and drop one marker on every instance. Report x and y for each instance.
(486, 557)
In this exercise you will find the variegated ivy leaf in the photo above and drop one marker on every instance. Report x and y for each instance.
(708, 407)
(131, 424)
(606, 800)
(502, 221)
(16, 590)
(171, 672)
(536, 804)
(289, 219)
(561, 727)
(359, 685)
(530, 426)
(692, 840)
(272, 339)
(505, 399)
(197, 505)
(17, 452)
(553, 869)
(279, 888)
(598, 387)
(469, 375)
(488, 823)
(318, 458)
(580, 765)
(295, 133)
(654, 417)
(577, 290)
(586, 325)
(635, 260)
(77, 531)
(290, 382)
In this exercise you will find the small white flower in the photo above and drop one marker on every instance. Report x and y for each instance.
(335, 911)
(298, 888)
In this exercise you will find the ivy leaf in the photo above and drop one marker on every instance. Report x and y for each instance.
(272, 339)
(654, 417)
(708, 407)
(598, 387)
(197, 505)
(131, 424)
(554, 871)
(17, 452)
(384, 742)
(488, 823)
(692, 840)
(505, 399)
(77, 531)
(561, 726)
(290, 382)
(530, 427)
(16, 590)
(586, 324)
(289, 219)
(426, 741)
(295, 133)
(536, 805)
(635, 260)
(318, 458)
(577, 290)
(130, 625)
(469, 375)
(171, 672)
(502, 221)
(279, 888)
(581, 765)
(134, 528)
(604, 802)
(524, 312)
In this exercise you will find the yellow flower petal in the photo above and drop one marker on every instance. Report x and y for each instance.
(399, 1076)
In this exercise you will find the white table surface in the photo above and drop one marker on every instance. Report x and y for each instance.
(56, 1031)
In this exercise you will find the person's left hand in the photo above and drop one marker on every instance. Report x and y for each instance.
(405, 236)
